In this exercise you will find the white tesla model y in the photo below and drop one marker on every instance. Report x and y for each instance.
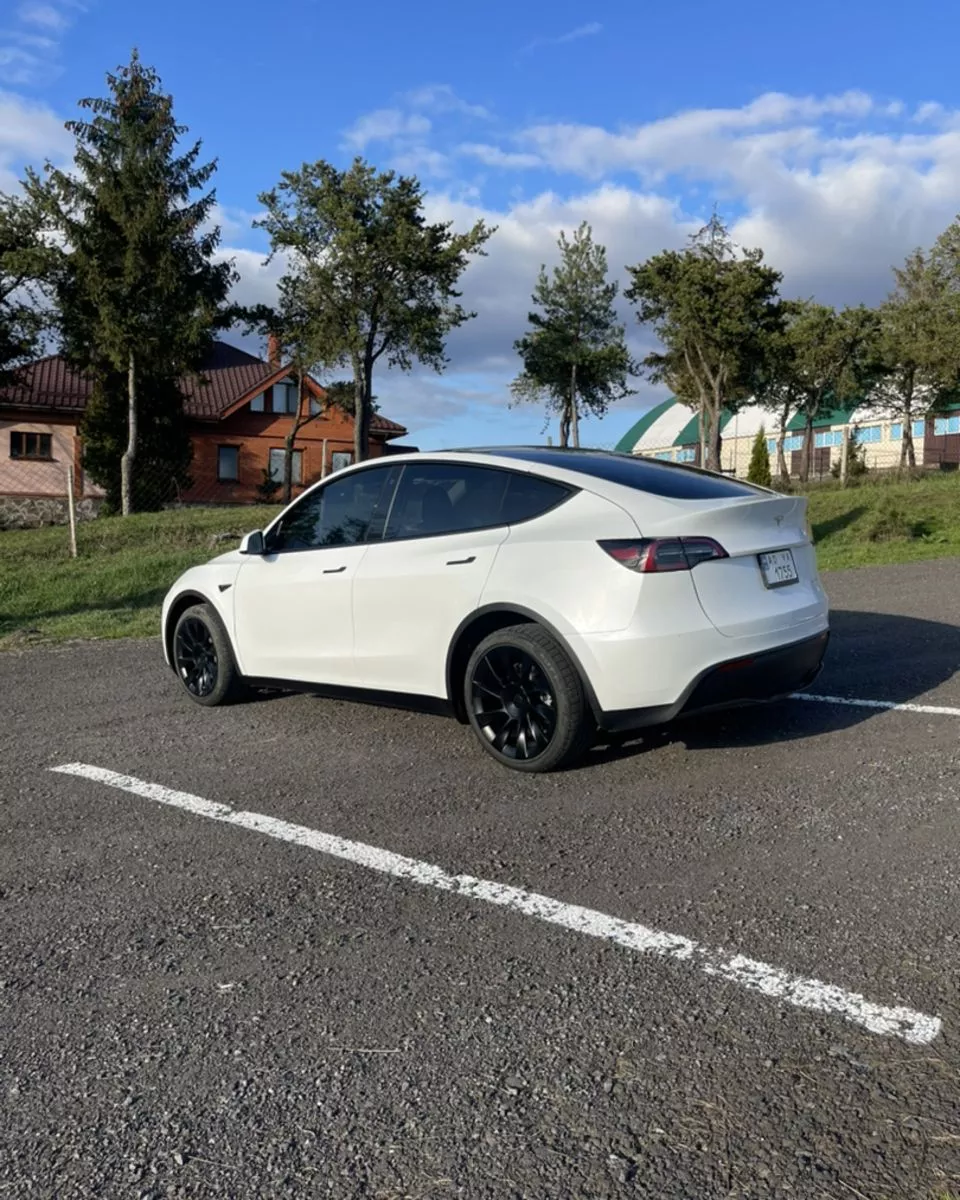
(541, 595)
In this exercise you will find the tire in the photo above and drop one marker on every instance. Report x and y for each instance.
(203, 658)
(525, 701)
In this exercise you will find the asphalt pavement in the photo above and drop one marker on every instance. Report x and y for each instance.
(194, 1004)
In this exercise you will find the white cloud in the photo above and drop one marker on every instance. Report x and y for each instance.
(441, 98)
(591, 29)
(29, 47)
(29, 133)
(493, 156)
(385, 125)
(44, 15)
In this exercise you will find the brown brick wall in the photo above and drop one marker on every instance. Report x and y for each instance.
(256, 434)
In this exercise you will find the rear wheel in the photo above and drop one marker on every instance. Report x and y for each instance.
(525, 700)
(203, 658)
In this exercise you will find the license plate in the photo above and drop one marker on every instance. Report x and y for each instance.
(778, 568)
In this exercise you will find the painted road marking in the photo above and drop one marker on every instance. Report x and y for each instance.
(936, 710)
(914, 1027)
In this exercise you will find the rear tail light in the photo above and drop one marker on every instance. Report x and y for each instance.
(657, 555)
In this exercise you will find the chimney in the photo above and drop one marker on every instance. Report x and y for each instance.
(273, 350)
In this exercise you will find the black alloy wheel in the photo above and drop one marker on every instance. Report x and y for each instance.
(196, 657)
(525, 700)
(513, 703)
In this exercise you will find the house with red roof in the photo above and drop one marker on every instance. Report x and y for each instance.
(240, 409)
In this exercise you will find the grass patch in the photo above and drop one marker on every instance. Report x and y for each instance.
(115, 587)
(884, 521)
(117, 584)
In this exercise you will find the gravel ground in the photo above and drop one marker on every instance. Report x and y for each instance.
(193, 1010)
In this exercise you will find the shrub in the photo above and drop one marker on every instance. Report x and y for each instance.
(759, 470)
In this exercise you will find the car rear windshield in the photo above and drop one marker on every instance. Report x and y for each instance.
(670, 480)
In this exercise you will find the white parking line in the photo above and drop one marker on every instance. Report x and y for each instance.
(936, 710)
(914, 1027)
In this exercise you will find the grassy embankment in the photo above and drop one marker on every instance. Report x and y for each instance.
(115, 587)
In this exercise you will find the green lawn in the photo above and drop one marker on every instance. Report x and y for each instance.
(115, 587)
(883, 521)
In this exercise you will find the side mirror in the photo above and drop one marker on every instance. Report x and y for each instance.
(252, 543)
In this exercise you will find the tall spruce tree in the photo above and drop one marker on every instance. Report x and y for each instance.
(138, 289)
(575, 356)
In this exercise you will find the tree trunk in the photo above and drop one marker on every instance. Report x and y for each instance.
(805, 453)
(289, 443)
(574, 415)
(363, 402)
(782, 469)
(908, 456)
(565, 427)
(711, 436)
(130, 454)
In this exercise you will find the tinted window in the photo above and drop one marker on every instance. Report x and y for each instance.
(339, 514)
(453, 497)
(645, 474)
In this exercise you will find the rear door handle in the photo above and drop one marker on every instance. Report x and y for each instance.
(460, 562)
(335, 570)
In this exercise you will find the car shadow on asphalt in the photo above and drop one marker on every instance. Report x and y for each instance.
(872, 656)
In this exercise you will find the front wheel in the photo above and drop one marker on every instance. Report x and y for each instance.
(203, 658)
(525, 700)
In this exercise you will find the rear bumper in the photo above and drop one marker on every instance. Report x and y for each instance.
(754, 679)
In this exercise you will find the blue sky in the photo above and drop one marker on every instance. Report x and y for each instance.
(827, 133)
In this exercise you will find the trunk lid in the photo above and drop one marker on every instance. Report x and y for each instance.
(732, 591)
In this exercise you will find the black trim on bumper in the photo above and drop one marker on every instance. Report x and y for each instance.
(754, 679)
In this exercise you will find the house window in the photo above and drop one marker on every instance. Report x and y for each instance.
(870, 433)
(228, 463)
(276, 466)
(687, 455)
(945, 425)
(340, 459)
(257, 404)
(666, 455)
(31, 445)
(896, 430)
(791, 444)
(315, 407)
(828, 437)
(285, 397)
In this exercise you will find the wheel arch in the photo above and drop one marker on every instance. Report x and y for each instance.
(179, 606)
(486, 620)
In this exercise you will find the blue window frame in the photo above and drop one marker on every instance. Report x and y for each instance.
(771, 445)
(945, 425)
(688, 455)
(869, 433)
(828, 437)
(793, 443)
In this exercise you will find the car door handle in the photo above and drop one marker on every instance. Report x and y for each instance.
(460, 562)
(335, 570)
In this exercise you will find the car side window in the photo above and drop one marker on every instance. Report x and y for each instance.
(438, 498)
(341, 513)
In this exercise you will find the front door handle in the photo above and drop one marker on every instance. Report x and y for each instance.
(335, 570)
(460, 562)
